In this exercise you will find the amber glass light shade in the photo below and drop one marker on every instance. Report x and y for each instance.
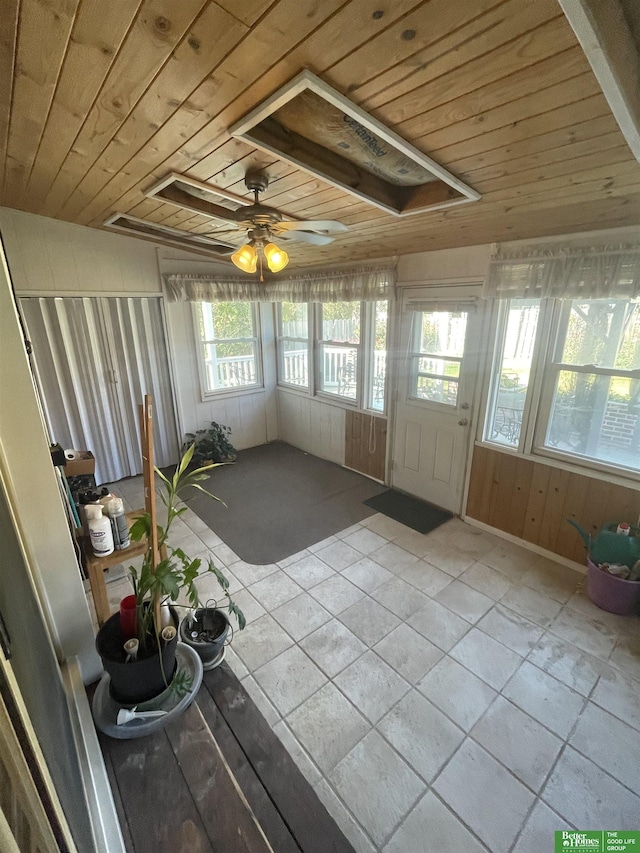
(246, 258)
(277, 258)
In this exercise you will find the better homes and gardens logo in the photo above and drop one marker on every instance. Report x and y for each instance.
(602, 841)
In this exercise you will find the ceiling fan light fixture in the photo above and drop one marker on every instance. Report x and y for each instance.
(246, 258)
(277, 259)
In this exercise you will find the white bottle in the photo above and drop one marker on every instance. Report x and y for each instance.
(99, 530)
(119, 526)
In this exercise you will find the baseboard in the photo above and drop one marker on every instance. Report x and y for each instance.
(550, 555)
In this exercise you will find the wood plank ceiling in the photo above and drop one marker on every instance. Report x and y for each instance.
(99, 101)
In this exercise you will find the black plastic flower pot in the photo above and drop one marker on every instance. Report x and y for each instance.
(207, 634)
(138, 680)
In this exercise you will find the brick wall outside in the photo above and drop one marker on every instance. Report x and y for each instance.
(619, 424)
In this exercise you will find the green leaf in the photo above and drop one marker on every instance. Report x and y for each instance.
(242, 622)
(186, 459)
(200, 489)
(161, 475)
(140, 528)
(222, 580)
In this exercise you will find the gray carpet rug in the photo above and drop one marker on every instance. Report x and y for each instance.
(280, 500)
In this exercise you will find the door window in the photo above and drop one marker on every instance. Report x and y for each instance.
(436, 357)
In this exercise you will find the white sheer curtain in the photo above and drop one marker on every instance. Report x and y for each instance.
(366, 284)
(95, 360)
(565, 273)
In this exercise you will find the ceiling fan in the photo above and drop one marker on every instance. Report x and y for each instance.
(263, 224)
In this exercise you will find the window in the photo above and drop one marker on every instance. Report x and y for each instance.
(339, 348)
(591, 398)
(566, 380)
(229, 351)
(512, 372)
(293, 344)
(350, 344)
(378, 316)
(438, 347)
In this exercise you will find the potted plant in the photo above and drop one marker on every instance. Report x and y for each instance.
(146, 667)
(206, 630)
(211, 445)
(613, 567)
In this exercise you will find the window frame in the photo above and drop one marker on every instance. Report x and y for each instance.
(365, 355)
(369, 369)
(201, 343)
(548, 347)
(280, 351)
(320, 343)
(415, 354)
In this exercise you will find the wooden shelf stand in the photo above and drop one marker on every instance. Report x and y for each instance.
(96, 567)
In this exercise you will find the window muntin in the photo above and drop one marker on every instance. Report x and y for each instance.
(591, 390)
(229, 350)
(293, 344)
(338, 350)
(438, 347)
(512, 371)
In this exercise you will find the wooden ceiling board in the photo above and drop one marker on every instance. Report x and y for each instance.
(98, 104)
(400, 44)
(34, 84)
(472, 67)
(8, 42)
(98, 33)
(157, 29)
(559, 144)
(440, 49)
(206, 43)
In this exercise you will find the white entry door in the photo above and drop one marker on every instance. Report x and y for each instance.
(436, 378)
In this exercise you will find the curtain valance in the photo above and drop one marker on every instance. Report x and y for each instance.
(565, 273)
(366, 284)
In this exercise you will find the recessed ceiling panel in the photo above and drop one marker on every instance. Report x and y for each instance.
(312, 126)
(135, 227)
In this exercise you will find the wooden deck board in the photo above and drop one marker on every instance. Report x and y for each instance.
(216, 779)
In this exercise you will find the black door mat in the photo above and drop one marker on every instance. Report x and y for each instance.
(419, 515)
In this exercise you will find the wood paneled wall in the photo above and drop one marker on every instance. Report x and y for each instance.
(532, 500)
(366, 444)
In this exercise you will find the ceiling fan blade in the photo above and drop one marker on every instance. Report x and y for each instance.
(320, 226)
(304, 237)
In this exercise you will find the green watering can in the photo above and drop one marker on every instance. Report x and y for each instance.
(611, 547)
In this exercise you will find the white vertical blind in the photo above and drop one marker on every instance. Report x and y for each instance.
(95, 359)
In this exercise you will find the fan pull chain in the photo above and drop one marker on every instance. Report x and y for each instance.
(260, 262)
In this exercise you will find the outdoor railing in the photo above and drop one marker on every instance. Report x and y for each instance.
(238, 371)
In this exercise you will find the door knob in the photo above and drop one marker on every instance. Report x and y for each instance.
(464, 406)
(463, 422)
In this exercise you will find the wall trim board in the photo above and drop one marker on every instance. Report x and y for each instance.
(529, 546)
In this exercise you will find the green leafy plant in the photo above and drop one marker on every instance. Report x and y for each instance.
(174, 572)
(211, 445)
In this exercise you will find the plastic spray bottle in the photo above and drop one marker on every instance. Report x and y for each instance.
(99, 530)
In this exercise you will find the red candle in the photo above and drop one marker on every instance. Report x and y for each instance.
(128, 617)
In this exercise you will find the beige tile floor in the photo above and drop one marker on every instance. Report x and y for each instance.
(449, 692)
